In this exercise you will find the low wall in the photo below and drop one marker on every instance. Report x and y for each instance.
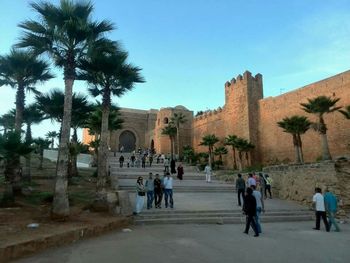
(297, 182)
(84, 160)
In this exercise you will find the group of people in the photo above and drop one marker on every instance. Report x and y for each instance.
(136, 161)
(252, 194)
(325, 205)
(154, 189)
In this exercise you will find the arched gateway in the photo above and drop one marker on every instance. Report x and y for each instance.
(127, 140)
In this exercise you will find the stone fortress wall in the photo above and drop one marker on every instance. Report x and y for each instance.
(246, 114)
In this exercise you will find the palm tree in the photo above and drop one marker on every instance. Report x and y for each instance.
(296, 126)
(7, 121)
(221, 150)
(64, 32)
(108, 74)
(21, 70)
(231, 140)
(209, 140)
(346, 112)
(31, 115)
(171, 131)
(52, 135)
(320, 106)
(241, 146)
(11, 148)
(41, 144)
(178, 119)
(247, 149)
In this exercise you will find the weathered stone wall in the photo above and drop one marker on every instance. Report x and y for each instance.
(275, 144)
(298, 182)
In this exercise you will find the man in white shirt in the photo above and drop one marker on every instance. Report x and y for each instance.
(251, 181)
(318, 202)
(259, 207)
(207, 171)
(168, 190)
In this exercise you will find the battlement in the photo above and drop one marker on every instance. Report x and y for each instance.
(207, 114)
(247, 75)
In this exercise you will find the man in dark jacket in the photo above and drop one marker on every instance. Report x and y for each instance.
(249, 208)
(240, 187)
(158, 192)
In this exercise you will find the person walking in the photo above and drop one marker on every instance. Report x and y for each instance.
(318, 202)
(158, 191)
(121, 161)
(249, 208)
(251, 181)
(173, 166)
(180, 171)
(150, 190)
(262, 184)
(140, 195)
(150, 159)
(259, 207)
(143, 160)
(240, 188)
(268, 185)
(132, 160)
(207, 171)
(331, 205)
(166, 165)
(168, 191)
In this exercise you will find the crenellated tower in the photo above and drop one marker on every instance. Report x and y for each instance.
(242, 95)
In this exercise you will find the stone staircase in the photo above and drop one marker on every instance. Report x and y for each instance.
(166, 216)
(198, 202)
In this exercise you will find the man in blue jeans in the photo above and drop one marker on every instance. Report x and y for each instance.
(168, 190)
(331, 205)
(259, 207)
(150, 191)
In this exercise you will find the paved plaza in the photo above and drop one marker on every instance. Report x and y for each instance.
(206, 225)
(280, 242)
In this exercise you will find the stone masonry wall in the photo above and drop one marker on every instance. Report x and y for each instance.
(297, 182)
(275, 144)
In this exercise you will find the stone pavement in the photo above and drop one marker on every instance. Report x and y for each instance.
(280, 242)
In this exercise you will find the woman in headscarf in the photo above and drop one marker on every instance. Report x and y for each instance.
(140, 195)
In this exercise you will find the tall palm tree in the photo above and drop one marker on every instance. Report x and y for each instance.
(171, 131)
(296, 126)
(320, 106)
(31, 115)
(11, 148)
(220, 151)
(108, 74)
(178, 119)
(21, 70)
(52, 135)
(64, 32)
(41, 144)
(346, 112)
(7, 121)
(209, 140)
(231, 140)
(51, 104)
(242, 146)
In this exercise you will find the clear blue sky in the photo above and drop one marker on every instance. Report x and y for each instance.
(189, 49)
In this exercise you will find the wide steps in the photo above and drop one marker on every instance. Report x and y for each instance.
(216, 217)
(193, 189)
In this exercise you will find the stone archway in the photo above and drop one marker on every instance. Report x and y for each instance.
(127, 140)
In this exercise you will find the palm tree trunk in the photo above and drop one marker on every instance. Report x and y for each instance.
(210, 160)
(20, 97)
(247, 158)
(27, 173)
(326, 155)
(52, 142)
(171, 148)
(100, 201)
(178, 140)
(60, 205)
(234, 158)
(296, 149)
(240, 161)
(74, 158)
(41, 158)
(300, 149)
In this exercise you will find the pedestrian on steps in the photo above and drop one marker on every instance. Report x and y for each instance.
(158, 191)
(249, 209)
(318, 202)
(140, 195)
(150, 190)
(240, 188)
(207, 171)
(180, 171)
(121, 161)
